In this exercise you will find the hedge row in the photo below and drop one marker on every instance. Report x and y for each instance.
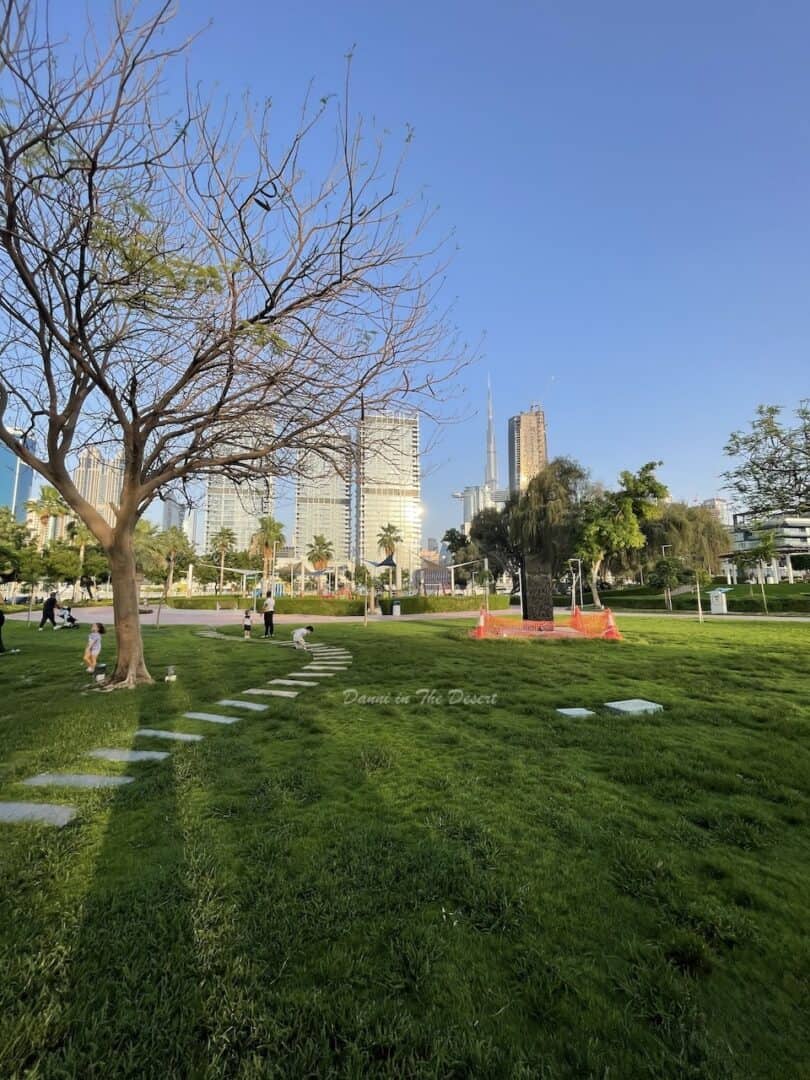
(418, 605)
(325, 605)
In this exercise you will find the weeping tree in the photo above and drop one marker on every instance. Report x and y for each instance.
(182, 290)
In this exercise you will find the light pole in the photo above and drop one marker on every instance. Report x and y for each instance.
(667, 590)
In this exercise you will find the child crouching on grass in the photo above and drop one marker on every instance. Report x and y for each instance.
(91, 653)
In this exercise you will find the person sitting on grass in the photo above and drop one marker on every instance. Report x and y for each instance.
(91, 652)
(299, 637)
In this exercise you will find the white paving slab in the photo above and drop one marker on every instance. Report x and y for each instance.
(576, 713)
(633, 706)
(252, 706)
(212, 718)
(274, 693)
(311, 674)
(288, 682)
(108, 754)
(177, 736)
(80, 780)
(45, 813)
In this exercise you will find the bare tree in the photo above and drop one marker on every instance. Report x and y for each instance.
(178, 290)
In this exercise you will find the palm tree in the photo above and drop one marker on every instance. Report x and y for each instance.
(387, 540)
(79, 536)
(263, 542)
(172, 542)
(320, 552)
(223, 541)
(48, 505)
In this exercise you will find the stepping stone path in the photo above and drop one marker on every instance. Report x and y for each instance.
(576, 713)
(80, 780)
(128, 755)
(633, 706)
(211, 717)
(235, 704)
(46, 813)
(272, 693)
(178, 736)
(328, 662)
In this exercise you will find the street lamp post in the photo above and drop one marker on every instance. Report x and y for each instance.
(667, 590)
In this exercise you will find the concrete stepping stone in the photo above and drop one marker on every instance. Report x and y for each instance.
(106, 754)
(234, 703)
(272, 693)
(44, 813)
(576, 713)
(633, 706)
(178, 736)
(78, 780)
(212, 718)
(311, 674)
(288, 682)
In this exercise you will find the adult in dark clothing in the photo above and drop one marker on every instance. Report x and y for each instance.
(268, 610)
(49, 612)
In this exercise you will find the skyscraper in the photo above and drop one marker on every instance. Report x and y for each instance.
(389, 486)
(173, 514)
(99, 481)
(528, 448)
(323, 507)
(236, 506)
(491, 472)
(16, 480)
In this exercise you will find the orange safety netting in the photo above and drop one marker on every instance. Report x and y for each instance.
(599, 624)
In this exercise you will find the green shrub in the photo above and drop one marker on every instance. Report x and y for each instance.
(418, 605)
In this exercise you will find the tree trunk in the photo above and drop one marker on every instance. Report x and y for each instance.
(130, 668)
(593, 578)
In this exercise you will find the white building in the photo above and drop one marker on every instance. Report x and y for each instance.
(323, 507)
(721, 508)
(791, 535)
(99, 481)
(389, 487)
(237, 507)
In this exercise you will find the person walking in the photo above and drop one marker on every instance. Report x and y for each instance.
(93, 648)
(269, 608)
(49, 612)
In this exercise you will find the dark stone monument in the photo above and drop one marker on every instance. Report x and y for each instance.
(537, 592)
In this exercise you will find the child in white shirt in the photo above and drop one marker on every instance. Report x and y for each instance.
(300, 635)
(91, 652)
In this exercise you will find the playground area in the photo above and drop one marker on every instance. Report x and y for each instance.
(397, 857)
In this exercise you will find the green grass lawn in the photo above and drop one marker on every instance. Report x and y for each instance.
(416, 889)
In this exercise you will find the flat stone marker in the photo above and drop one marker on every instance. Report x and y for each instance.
(274, 693)
(80, 780)
(178, 736)
(213, 718)
(576, 713)
(251, 705)
(321, 673)
(46, 813)
(128, 755)
(633, 706)
(288, 682)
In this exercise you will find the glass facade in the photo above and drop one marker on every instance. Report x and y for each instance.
(16, 482)
(323, 507)
(389, 487)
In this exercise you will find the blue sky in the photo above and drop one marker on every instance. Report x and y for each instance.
(628, 187)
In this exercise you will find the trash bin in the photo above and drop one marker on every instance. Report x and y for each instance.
(717, 599)
(395, 608)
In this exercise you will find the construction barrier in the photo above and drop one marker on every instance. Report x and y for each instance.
(597, 624)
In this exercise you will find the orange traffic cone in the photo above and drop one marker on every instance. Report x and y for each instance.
(611, 631)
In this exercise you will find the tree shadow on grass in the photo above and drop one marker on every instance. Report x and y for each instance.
(132, 1000)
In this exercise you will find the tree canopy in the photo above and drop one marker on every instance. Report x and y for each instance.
(772, 473)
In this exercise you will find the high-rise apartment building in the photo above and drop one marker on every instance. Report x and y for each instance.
(16, 481)
(236, 506)
(528, 448)
(323, 507)
(99, 481)
(173, 514)
(388, 489)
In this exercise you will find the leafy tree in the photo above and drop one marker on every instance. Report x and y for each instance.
(223, 541)
(693, 533)
(177, 549)
(773, 472)
(61, 562)
(666, 574)
(609, 523)
(490, 533)
(148, 550)
(455, 539)
(759, 556)
(543, 522)
(269, 534)
(200, 306)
